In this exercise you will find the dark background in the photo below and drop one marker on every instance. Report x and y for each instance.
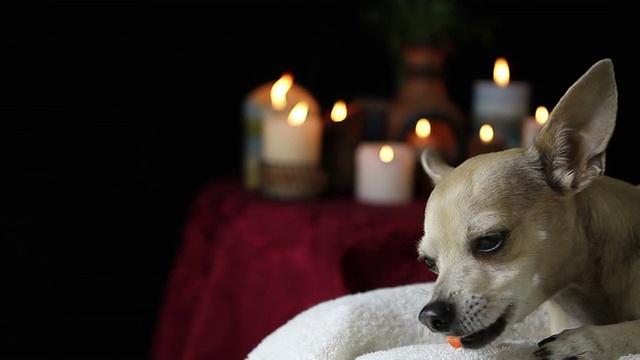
(120, 112)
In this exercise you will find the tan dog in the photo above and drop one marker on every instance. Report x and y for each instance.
(511, 230)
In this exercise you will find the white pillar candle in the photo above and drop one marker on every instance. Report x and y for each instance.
(532, 125)
(278, 95)
(380, 180)
(293, 138)
(501, 103)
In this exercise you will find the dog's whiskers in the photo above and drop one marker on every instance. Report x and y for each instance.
(509, 300)
(517, 333)
(540, 281)
(424, 292)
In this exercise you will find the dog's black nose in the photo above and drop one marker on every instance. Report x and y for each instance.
(437, 316)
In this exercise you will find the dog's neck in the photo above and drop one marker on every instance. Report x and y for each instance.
(608, 236)
(608, 211)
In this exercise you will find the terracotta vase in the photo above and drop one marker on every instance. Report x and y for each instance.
(422, 93)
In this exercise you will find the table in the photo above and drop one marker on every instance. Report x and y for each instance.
(247, 264)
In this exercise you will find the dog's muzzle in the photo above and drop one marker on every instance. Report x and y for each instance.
(438, 316)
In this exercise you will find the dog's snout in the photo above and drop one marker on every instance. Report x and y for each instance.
(437, 316)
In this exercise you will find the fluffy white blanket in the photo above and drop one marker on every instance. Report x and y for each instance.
(383, 325)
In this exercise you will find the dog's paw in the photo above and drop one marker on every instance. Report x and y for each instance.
(584, 343)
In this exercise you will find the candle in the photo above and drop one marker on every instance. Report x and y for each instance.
(343, 131)
(338, 111)
(384, 172)
(437, 135)
(532, 125)
(422, 138)
(501, 103)
(292, 139)
(279, 95)
(487, 141)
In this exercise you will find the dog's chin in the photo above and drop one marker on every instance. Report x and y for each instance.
(485, 336)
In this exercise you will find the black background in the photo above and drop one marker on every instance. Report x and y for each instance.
(120, 112)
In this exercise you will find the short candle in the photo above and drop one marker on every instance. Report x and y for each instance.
(531, 125)
(385, 172)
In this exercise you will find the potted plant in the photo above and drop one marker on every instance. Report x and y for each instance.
(417, 29)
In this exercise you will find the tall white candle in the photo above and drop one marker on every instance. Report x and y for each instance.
(384, 172)
(532, 125)
(293, 138)
(501, 103)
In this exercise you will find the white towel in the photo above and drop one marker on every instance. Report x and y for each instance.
(383, 325)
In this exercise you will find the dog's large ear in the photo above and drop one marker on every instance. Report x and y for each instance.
(571, 145)
(434, 165)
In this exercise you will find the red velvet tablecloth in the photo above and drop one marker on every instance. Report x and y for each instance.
(248, 264)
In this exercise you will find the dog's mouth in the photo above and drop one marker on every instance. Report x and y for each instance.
(485, 336)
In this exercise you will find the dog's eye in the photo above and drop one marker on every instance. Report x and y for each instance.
(431, 263)
(490, 243)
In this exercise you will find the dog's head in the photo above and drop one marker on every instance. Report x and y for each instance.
(497, 228)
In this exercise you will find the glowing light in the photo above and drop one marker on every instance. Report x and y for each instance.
(486, 133)
(542, 115)
(298, 114)
(339, 111)
(423, 128)
(386, 153)
(279, 91)
(501, 72)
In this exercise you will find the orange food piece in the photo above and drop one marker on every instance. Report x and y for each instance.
(455, 341)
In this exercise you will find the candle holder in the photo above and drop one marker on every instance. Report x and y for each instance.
(292, 182)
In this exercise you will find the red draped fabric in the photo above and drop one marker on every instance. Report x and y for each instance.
(248, 264)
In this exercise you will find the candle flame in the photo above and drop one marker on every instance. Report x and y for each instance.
(423, 128)
(501, 72)
(339, 111)
(279, 91)
(486, 133)
(542, 115)
(386, 154)
(298, 114)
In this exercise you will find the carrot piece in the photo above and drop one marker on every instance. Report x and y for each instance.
(455, 341)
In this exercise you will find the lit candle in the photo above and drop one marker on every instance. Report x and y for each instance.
(338, 111)
(279, 95)
(436, 134)
(344, 129)
(532, 125)
(421, 138)
(292, 139)
(384, 172)
(501, 103)
(487, 141)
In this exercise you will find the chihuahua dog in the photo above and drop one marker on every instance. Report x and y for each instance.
(509, 231)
